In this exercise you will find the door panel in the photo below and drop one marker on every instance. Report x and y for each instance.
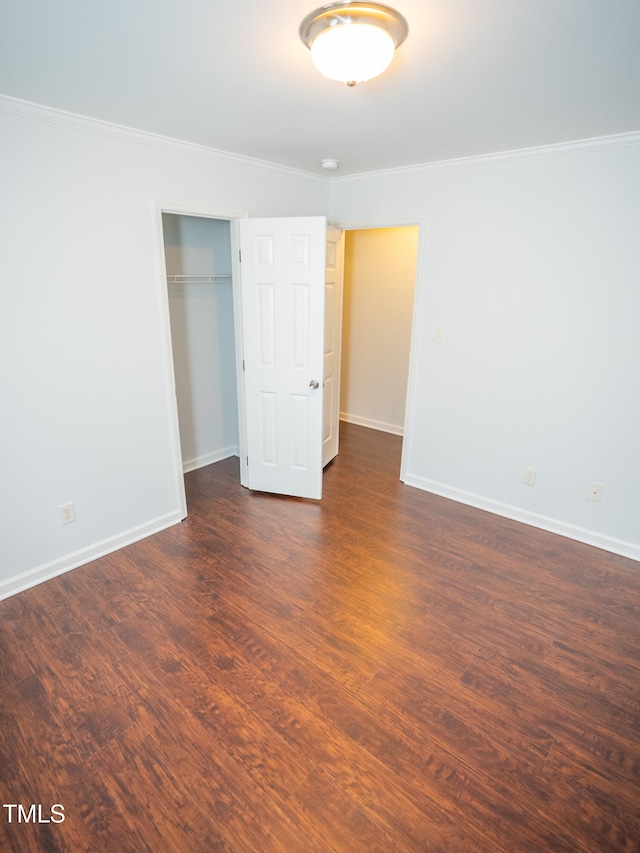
(282, 287)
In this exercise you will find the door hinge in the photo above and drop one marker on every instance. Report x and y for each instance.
(247, 460)
(240, 255)
(243, 367)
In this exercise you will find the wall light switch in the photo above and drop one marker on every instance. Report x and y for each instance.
(438, 335)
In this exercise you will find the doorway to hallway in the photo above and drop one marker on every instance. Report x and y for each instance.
(379, 285)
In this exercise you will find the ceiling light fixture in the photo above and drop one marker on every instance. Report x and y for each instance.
(353, 42)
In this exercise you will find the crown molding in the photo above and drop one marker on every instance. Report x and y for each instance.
(596, 143)
(54, 115)
(88, 124)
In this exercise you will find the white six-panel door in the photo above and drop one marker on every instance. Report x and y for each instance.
(283, 294)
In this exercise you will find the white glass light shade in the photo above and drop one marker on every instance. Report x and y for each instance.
(353, 41)
(352, 53)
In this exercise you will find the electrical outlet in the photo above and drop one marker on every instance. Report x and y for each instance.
(67, 513)
(529, 478)
(595, 492)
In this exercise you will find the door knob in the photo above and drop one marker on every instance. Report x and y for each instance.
(314, 384)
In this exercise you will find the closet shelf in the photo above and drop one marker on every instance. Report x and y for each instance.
(198, 279)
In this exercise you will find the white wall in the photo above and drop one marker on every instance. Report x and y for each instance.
(379, 279)
(531, 265)
(196, 245)
(202, 337)
(85, 391)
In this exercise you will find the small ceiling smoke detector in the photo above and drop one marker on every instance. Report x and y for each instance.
(329, 164)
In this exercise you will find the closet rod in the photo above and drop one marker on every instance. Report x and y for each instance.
(185, 279)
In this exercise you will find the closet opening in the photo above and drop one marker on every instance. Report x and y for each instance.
(199, 271)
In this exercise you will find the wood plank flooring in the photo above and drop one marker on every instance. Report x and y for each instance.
(382, 671)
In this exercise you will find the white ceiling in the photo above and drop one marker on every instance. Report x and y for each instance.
(473, 77)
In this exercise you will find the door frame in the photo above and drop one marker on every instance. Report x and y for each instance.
(419, 220)
(204, 211)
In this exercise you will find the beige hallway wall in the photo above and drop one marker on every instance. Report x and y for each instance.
(379, 279)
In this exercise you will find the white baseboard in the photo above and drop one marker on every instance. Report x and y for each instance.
(32, 577)
(371, 424)
(208, 459)
(552, 525)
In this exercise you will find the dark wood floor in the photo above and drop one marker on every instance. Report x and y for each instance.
(382, 671)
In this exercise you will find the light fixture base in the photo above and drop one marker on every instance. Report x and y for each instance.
(339, 14)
